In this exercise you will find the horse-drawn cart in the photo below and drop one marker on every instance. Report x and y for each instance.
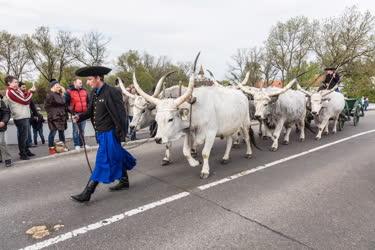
(353, 110)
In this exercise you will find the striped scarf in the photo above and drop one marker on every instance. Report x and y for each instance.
(17, 96)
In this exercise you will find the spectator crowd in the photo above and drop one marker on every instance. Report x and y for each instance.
(60, 103)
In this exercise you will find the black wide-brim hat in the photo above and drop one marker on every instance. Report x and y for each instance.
(93, 71)
(330, 68)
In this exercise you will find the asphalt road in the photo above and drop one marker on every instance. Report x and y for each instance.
(318, 198)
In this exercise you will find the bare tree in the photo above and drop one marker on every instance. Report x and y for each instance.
(257, 61)
(50, 56)
(345, 39)
(288, 45)
(13, 56)
(93, 49)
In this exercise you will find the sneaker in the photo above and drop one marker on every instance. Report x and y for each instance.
(8, 163)
(52, 150)
(77, 148)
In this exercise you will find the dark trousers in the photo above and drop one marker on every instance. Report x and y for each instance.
(51, 137)
(39, 131)
(23, 129)
(132, 133)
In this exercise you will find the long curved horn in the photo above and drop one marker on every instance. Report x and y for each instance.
(331, 90)
(123, 89)
(187, 93)
(160, 83)
(216, 83)
(148, 98)
(303, 90)
(190, 88)
(247, 89)
(283, 90)
(247, 76)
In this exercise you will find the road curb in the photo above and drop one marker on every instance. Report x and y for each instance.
(81, 151)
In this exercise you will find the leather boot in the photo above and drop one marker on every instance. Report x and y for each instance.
(86, 193)
(123, 183)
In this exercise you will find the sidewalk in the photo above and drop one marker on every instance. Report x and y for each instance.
(41, 151)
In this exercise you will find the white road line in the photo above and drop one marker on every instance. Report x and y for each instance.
(119, 217)
(105, 222)
(253, 170)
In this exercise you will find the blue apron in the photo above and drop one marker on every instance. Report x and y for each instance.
(111, 158)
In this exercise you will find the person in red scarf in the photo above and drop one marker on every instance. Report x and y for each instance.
(19, 105)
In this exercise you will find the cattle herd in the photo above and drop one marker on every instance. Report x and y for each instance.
(204, 113)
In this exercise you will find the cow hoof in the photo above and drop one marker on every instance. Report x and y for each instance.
(333, 132)
(285, 142)
(317, 138)
(165, 163)
(273, 149)
(237, 145)
(301, 139)
(204, 175)
(248, 156)
(325, 133)
(224, 161)
(265, 138)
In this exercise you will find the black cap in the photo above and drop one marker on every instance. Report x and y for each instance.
(52, 83)
(93, 71)
(330, 68)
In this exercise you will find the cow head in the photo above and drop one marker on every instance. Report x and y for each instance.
(263, 101)
(171, 116)
(143, 111)
(318, 100)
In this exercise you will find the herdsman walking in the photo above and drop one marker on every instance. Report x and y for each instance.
(107, 114)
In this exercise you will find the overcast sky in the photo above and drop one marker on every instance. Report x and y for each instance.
(174, 28)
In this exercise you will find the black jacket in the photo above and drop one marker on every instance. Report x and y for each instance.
(4, 114)
(107, 112)
(332, 82)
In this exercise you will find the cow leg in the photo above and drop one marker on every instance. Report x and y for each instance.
(302, 128)
(236, 140)
(260, 132)
(334, 130)
(286, 136)
(321, 126)
(267, 133)
(326, 129)
(187, 153)
(209, 142)
(225, 159)
(249, 152)
(193, 147)
(276, 135)
(166, 160)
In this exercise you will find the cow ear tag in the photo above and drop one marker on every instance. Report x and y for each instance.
(184, 114)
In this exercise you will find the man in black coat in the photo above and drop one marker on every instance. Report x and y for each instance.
(108, 115)
(331, 79)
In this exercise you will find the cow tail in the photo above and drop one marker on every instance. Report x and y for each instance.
(252, 138)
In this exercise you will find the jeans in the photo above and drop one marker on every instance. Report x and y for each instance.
(40, 132)
(51, 137)
(4, 153)
(23, 128)
(77, 129)
(29, 140)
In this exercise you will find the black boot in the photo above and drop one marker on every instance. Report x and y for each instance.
(123, 183)
(86, 193)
